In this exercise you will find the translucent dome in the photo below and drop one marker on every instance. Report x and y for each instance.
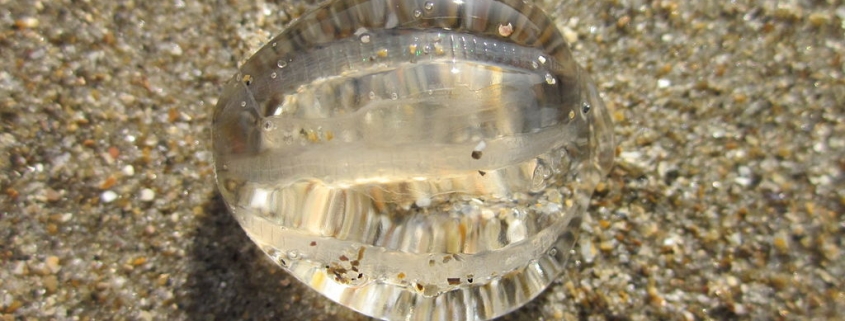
(414, 160)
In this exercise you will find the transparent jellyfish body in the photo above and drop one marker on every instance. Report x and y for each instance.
(414, 160)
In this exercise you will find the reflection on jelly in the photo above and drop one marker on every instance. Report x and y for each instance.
(414, 160)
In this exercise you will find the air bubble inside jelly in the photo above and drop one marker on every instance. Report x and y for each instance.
(416, 156)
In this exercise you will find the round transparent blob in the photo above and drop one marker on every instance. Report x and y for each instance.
(414, 160)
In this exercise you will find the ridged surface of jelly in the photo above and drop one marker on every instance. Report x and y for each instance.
(414, 160)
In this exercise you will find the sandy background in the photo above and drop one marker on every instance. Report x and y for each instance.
(726, 202)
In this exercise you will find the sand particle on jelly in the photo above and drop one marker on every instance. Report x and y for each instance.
(505, 30)
(550, 79)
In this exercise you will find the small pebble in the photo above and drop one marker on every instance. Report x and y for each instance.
(570, 35)
(51, 283)
(52, 195)
(53, 264)
(108, 196)
(147, 195)
(28, 22)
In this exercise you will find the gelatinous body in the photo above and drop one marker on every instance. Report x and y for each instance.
(414, 160)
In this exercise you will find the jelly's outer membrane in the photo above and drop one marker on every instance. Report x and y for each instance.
(416, 160)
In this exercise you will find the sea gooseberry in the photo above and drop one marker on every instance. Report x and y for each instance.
(414, 160)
